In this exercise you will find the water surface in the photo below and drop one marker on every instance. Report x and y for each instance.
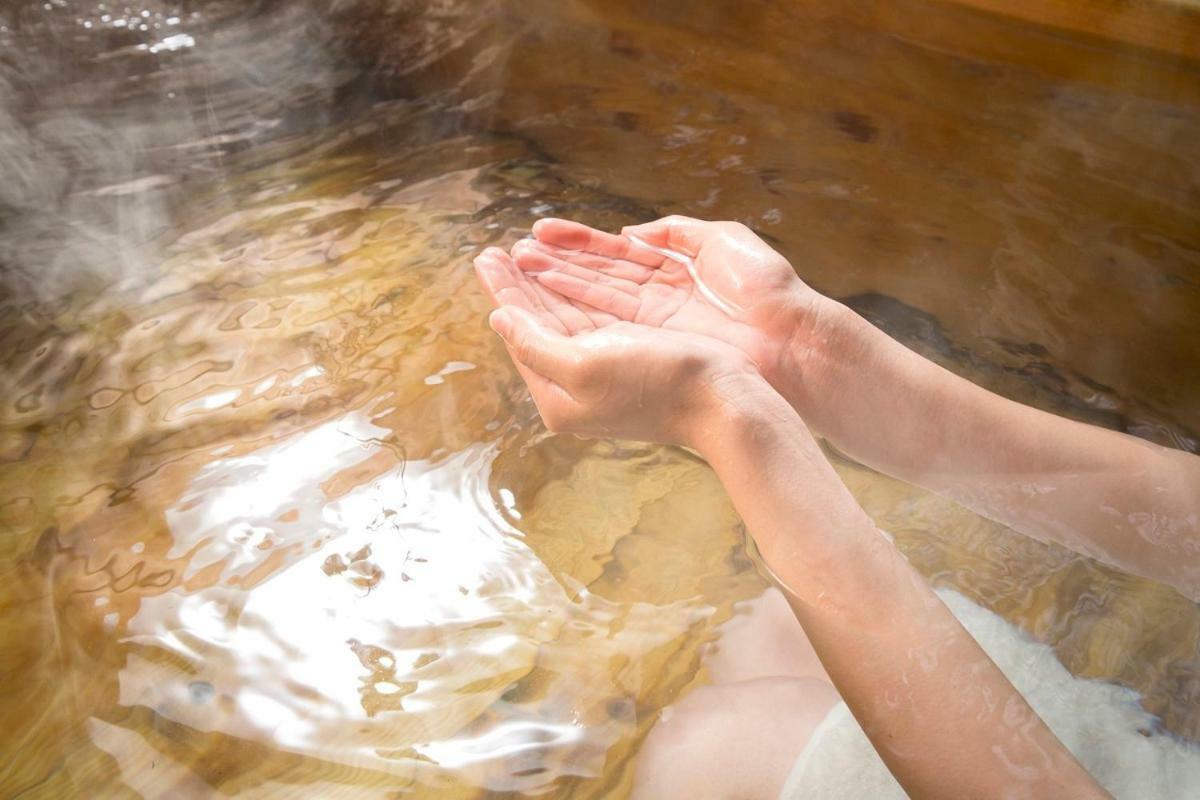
(278, 517)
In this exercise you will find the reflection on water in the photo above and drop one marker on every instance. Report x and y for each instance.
(277, 514)
(399, 629)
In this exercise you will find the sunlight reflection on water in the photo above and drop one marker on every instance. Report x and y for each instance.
(402, 611)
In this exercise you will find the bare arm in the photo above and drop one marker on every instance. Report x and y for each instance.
(943, 717)
(1105, 494)
(945, 720)
(1111, 496)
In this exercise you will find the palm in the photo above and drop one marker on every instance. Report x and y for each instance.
(628, 361)
(509, 286)
(668, 296)
(643, 286)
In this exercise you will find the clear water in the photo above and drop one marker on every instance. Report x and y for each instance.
(277, 517)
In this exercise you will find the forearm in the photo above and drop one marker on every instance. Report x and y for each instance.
(1106, 494)
(945, 720)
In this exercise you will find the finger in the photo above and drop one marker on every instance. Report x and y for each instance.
(534, 345)
(531, 258)
(616, 267)
(573, 318)
(554, 404)
(600, 319)
(509, 286)
(502, 285)
(681, 234)
(606, 298)
(534, 299)
(571, 235)
(583, 317)
(547, 395)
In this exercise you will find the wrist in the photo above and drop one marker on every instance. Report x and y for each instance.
(825, 351)
(760, 447)
(737, 406)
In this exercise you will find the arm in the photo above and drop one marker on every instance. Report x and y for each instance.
(1105, 494)
(1102, 493)
(942, 716)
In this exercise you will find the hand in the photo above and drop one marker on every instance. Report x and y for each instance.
(594, 374)
(737, 289)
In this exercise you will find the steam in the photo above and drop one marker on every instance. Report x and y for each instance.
(109, 121)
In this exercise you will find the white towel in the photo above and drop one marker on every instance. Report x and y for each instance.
(1102, 724)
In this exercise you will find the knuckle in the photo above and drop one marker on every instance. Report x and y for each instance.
(526, 246)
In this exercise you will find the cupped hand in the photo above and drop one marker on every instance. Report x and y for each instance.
(736, 288)
(593, 373)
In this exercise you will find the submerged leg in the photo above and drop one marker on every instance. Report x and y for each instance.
(740, 736)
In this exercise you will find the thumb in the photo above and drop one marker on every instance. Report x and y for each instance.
(681, 234)
(545, 351)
